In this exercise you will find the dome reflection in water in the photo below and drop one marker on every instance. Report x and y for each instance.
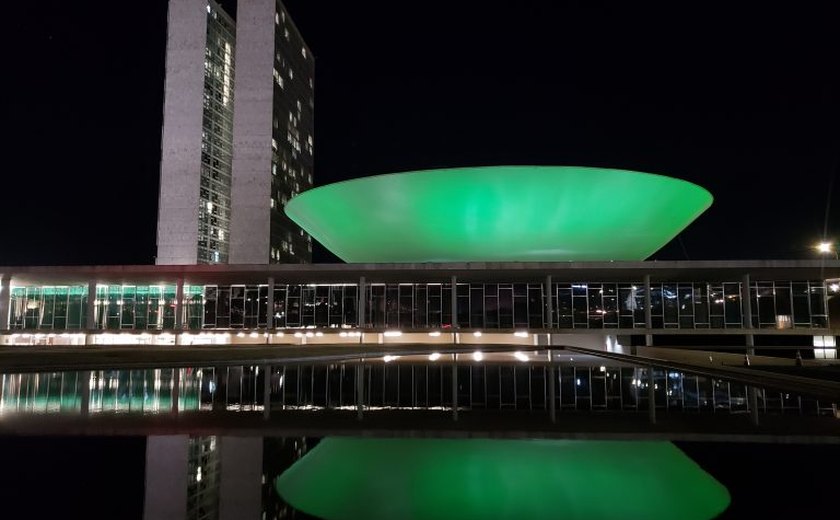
(349, 478)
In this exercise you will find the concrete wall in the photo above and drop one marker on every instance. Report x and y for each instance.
(240, 467)
(252, 125)
(166, 477)
(180, 165)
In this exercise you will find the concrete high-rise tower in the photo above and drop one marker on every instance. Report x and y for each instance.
(273, 132)
(237, 138)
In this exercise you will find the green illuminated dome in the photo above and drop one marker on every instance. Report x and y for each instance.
(345, 478)
(499, 214)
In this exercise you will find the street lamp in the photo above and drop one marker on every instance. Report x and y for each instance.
(827, 248)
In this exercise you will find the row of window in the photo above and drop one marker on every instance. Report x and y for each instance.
(779, 304)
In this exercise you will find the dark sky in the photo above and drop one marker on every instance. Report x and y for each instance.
(745, 103)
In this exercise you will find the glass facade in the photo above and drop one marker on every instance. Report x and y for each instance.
(481, 386)
(216, 139)
(293, 134)
(689, 305)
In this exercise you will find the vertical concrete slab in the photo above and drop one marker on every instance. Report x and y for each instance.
(240, 489)
(166, 477)
(180, 164)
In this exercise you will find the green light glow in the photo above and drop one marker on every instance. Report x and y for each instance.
(500, 213)
(345, 478)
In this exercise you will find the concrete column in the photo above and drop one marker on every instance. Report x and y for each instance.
(454, 302)
(651, 396)
(552, 390)
(166, 477)
(549, 304)
(5, 300)
(220, 395)
(179, 305)
(85, 392)
(269, 312)
(454, 385)
(360, 390)
(266, 391)
(176, 389)
(90, 319)
(746, 307)
(240, 478)
(361, 307)
(648, 312)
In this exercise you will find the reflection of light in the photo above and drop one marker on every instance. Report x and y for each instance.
(477, 355)
(434, 334)
(434, 356)
(310, 334)
(319, 334)
(212, 386)
(603, 368)
(298, 334)
(240, 335)
(280, 381)
(834, 287)
(342, 334)
(578, 382)
(520, 356)
(392, 333)
(477, 334)
(254, 334)
(388, 359)
(521, 334)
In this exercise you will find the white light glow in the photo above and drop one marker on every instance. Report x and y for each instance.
(342, 334)
(477, 355)
(298, 334)
(310, 334)
(603, 368)
(388, 359)
(319, 334)
(434, 334)
(254, 335)
(521, 334)
(521, 356)
(392, 334)
(240, 335)
(477, 334)
(434, 356)
(824, 247)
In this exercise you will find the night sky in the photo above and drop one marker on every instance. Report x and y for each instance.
(745, 103)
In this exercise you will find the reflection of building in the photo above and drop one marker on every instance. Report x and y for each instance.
(203, 478)
(591, 304)
(237, 139)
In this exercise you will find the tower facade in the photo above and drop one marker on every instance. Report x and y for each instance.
(227, 168)
(273, 132)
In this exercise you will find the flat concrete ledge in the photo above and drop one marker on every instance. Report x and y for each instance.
(617, 425)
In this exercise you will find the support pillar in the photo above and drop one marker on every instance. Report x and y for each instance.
(552, 390)
(651, 396)
(5, 300)
(269, 311)
(85, 392)
(454, 385)
(266, 391)
(454, 302)
(360, 390)
(549, 305)
(648, 313)
(90, 318)
(176, 389)
(361, 306)
(746, 306)
(179, 306)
